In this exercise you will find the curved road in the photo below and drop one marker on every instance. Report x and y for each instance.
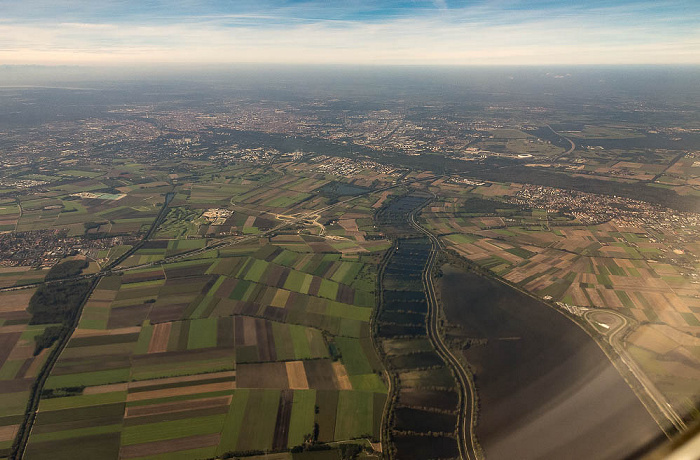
(32, 405)
(465, 418)
(219, 243)
(384, 430)
(613, 336)
(571, 149)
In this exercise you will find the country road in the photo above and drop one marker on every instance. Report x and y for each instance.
(226, 241)
(33, 404)
(465, 417)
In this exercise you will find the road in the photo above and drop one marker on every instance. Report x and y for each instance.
(21, 212)
(571, 149)
(384, 436)
(226, 241)
(614, 339)
(466, 415)
(32, 409)
(675, 160)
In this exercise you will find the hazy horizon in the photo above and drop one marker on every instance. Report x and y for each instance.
(418, 32)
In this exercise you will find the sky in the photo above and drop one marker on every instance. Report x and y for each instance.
(374, 32)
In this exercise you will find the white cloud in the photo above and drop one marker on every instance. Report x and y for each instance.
(464, 37)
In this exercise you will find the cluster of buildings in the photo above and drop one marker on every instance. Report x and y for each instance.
(256, 156)
(348, 167)
(45, 248)
(217, 216)
(21, 183)
(41, 248)
(678, 229)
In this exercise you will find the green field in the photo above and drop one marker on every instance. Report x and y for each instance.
(172, 429)
(301, 424)
(202, 333)
(231, 345)
(355, 416)
(260, 417)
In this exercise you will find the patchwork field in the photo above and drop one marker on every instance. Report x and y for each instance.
(19, 275)
(90, 201)
(626, 263)
(9, 214)
(259, 351)
(262, 344)
(20, 362)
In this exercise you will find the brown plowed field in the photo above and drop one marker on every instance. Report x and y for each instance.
(170, 445)
(184, 378)
(181, 391)
(296, 374)
(341, 376)
(159, 340)
(262, 375)
(284, 415)
(166, 408)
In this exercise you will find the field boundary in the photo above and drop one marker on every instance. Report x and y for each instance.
(22, 437)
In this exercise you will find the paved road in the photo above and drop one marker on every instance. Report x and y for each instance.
(465, 416)
(650, 389)
(219, 243)
(385, 428)
(571, 149)
(675, 160)
(290, 220)
(33, 404)
(25, 429)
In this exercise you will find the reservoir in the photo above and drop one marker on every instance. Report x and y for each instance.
(545, 388)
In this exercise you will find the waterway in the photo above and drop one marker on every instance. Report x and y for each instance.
(424, 412)
(545, 388)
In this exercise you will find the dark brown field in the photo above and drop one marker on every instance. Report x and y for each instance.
(284, 415)
(320, 374)
(184, 406)
(7, 343)
(170, 445)
(262, 375)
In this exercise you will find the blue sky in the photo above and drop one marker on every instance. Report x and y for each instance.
(500, 32)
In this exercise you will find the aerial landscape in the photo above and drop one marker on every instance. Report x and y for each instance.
(330, 260)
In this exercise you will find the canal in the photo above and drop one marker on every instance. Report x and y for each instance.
(422, 416)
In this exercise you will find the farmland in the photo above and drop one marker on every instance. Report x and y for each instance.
(259, 346)
(500, 320)
(175, 370)
(210, 275)
(20, 363)
(240, 315)
(590, 253)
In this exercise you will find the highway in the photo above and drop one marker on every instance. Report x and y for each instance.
(219, 243)
(662, 405)
(30, 414)
(572, 145)
(384, 437)
(468, 445)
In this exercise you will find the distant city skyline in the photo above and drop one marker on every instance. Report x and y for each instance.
(440, 32)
